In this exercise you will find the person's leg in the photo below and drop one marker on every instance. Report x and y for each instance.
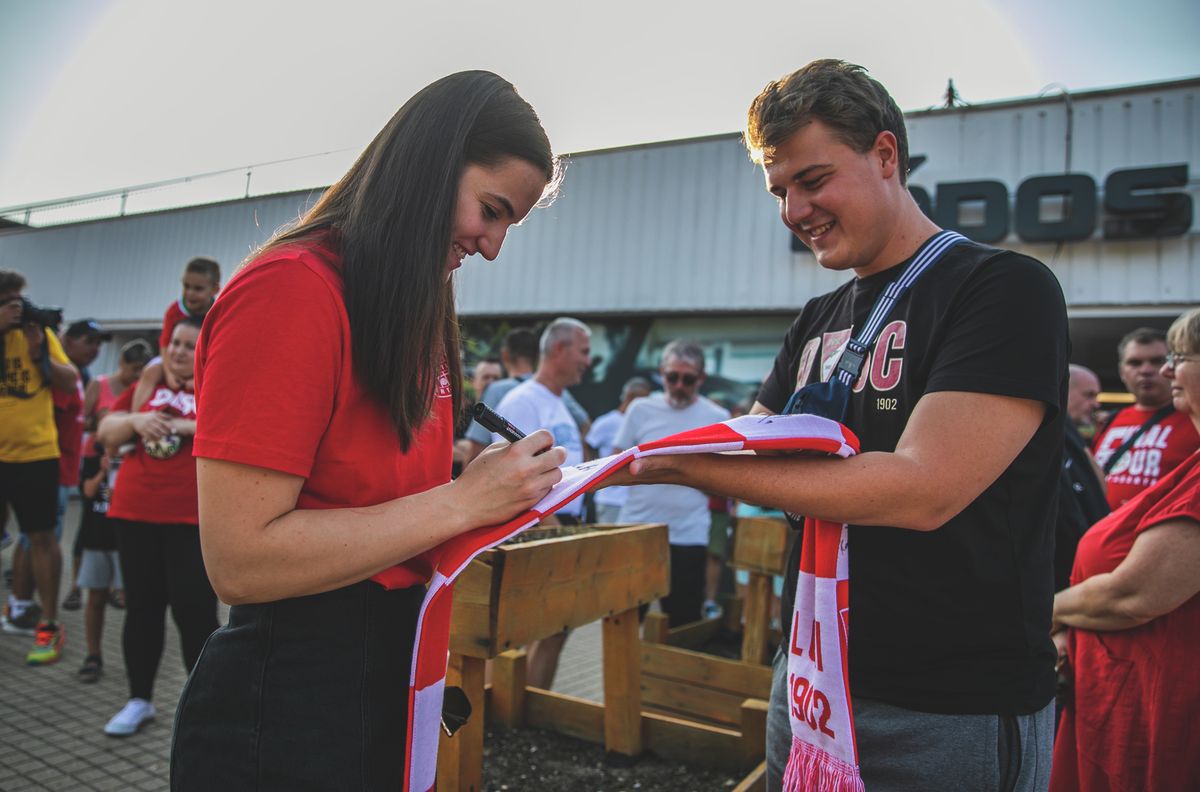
(543, 660)
(608, 514)
(900, 749)
(193, 601)
(74, 595)
(143, 567)
(93, 619)
(779, 726)
(683, 604)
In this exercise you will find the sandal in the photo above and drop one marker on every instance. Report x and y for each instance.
(73, 601)
(92, 668)
(116, 599)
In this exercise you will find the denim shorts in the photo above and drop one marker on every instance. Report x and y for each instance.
(309, 693)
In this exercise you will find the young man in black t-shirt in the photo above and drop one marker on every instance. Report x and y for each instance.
(959, 409)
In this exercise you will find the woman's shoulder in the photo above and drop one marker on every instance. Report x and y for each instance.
(301, 273)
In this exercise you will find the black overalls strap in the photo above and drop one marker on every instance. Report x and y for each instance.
(829, 399)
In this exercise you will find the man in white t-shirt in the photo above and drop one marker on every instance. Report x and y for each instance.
(601, 436)
(537, 403)
(683, 509)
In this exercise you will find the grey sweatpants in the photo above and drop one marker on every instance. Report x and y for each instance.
(903, 750)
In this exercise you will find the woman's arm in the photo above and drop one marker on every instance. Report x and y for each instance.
(91, 394)
(184, 427)
(258, 547)
(119, 428)
(151, 377)
(1161, 572)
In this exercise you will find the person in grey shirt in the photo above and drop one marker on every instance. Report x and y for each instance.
(519, 354)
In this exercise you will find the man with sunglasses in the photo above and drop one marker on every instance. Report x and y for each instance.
(1146, 440)
(678, 408)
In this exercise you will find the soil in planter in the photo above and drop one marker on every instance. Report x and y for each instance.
(532, 759)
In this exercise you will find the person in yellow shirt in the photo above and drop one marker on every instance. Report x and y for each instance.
(32, 362)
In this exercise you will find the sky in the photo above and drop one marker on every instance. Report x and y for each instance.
(102, 94)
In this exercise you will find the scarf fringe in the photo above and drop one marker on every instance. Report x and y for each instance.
(809, 769)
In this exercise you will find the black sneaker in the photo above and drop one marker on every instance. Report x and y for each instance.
(25, 624)
(92, 668)
(74, 600)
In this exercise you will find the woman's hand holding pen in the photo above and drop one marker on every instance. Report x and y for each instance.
(508, 478)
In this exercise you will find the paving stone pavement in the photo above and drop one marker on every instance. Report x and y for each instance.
(52, 725)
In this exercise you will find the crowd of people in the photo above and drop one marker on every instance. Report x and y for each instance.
(137, 547)
(1023, 570)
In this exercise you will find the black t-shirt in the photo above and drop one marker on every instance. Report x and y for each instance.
(1081, 504)
(955, 620)
(96, 530)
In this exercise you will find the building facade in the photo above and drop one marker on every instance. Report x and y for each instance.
(653, 242)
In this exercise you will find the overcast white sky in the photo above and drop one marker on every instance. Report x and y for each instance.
(100, 94)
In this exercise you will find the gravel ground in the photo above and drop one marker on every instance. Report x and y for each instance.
(525, 759)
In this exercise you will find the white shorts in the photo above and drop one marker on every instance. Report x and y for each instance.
(100, 569)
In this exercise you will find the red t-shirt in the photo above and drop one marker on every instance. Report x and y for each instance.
(174, 315)
(277, 390)
(157, 490)
(1154, 454)
(1136, 691)
(68, 419)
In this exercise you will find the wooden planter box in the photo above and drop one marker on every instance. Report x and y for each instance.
(517, 593)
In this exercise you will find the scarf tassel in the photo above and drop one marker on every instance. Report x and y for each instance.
(810, 768)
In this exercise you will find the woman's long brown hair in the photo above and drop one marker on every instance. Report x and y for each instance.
(391, 219)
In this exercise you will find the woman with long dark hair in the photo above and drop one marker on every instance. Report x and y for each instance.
(329, 380)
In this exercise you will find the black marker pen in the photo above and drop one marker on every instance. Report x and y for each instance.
(492, 421)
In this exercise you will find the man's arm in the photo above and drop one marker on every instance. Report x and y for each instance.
(955, 445)
(63, 374)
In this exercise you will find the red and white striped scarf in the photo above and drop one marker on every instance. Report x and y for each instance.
(824, 755)
(439, 567)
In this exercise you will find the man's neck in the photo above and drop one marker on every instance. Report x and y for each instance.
(910, 230)
(519, 369)
(549, 381)
(1151, 407)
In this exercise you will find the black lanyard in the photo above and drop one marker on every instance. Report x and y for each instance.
(830, 399)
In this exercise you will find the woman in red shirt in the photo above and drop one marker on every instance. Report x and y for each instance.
(154, 510)
(329, 379)
(1129, 625)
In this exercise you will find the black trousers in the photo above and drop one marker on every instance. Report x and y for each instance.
(162, 566)
(686, 600)
(301, 695)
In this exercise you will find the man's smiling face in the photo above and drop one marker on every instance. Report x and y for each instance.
(833, 198)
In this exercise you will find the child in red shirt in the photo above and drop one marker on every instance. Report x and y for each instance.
(201, 282)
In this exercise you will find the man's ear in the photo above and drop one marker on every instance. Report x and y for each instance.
(886, 152)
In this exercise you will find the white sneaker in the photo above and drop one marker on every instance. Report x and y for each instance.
(130, 718)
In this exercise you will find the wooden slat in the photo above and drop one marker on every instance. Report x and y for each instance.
(622, 691)
(655, 629)
(472, 617)
(507, 703)
(758, 617)
(756, 781)
(694, 635)
(760, 544)
(691, 742)
(669, 737)
(731, 676)
(692, 701)
(568, 715)
(754, 730)
(575, 580)
(460, 758)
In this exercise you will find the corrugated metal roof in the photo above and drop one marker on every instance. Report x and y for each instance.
(680, 227)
